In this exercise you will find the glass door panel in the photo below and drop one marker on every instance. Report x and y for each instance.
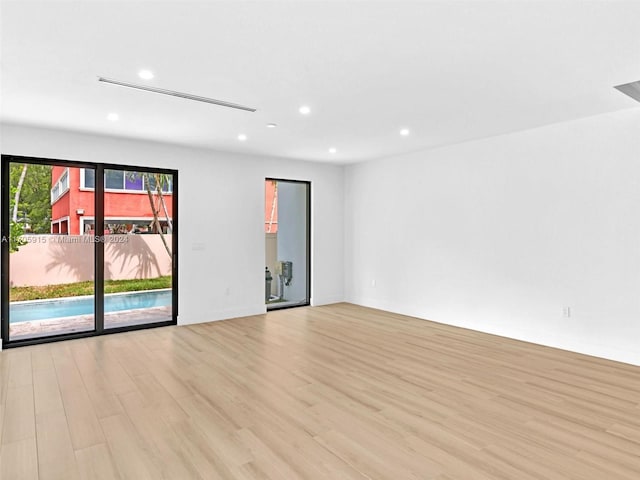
(138, 247)
(51, 264)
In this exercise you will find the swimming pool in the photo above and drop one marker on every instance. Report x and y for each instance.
(74, 306)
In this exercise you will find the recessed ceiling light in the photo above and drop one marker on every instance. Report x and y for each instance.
(146, 74)
(114, 117)
(272, 125)
(242, 137)
(404, 132)
(304, 110)
(332, 150)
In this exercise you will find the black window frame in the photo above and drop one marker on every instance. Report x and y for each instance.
(99, 169)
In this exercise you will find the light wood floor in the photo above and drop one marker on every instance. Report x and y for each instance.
(335, 392)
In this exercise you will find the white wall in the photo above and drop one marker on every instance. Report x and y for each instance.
(498, 235)
(292, 233)
(221, 209)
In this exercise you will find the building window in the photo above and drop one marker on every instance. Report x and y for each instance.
(60, 227)
(133, 182)
(61, 187)
(165, 182)
(118, 226)
(119, 180)
(88, 178)
(114, 179)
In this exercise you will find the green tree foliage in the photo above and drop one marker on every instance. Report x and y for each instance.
(34, 203)
(15, 229)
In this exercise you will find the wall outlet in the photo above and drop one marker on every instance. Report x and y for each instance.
(566, 312)
(373, 282)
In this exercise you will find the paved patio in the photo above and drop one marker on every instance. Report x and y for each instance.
(84, 323)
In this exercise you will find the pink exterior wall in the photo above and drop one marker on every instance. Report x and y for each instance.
(45, 261)
(120, 204)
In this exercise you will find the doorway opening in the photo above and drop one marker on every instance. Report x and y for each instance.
(287, 227)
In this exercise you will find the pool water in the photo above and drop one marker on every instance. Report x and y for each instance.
(71, 307)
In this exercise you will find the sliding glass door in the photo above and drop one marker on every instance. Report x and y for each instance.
(138, 251)
(86, 249)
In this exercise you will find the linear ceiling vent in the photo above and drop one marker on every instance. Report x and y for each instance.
(173, 93)
(632, 89)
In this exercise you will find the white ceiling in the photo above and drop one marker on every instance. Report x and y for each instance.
(449, 71)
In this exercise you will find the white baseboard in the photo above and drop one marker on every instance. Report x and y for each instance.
(529, 335)
(317, 301)
(215, 315)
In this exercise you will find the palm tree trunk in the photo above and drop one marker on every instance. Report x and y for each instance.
(162, 201)
(156, 221)
(16, 199)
